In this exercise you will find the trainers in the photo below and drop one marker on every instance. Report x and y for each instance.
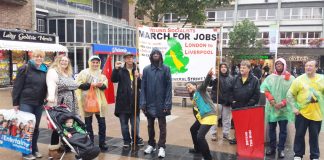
(139, 142)
(193, 151)
(126, 145)
(214, 137)
(297, 158)
(161, 152)
(232, 141)
(38, 155)
(149, 149)
(103, 147)
(29, 157)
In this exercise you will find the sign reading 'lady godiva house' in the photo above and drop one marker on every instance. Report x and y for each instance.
(26, 36)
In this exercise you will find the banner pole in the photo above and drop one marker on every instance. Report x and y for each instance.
(217, 71)
(135, 92)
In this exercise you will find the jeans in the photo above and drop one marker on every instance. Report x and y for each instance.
(198, 133)
(124, 119)
(314, 128)
(37, 111)
(282, 134)
(151, 131)
(224, 112)
(101, 126)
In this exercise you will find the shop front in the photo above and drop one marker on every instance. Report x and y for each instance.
(16, 47)
(262, 59)
(117, 51)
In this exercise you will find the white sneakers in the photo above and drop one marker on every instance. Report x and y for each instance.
(297, 158)
(161, 152)
(149, 149)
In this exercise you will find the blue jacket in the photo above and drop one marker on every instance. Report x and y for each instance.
(156, 90)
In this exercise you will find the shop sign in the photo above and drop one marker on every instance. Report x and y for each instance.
(253, 57)
(26, 37)
(298, 58)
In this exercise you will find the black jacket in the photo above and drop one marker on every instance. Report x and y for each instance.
(246, 94)
(30, 86)
(125, 100)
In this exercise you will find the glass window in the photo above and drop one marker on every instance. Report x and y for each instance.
(103, 33)
(317, 12)
(304, 34)
(120, 36)
(262, 14)
(109, 10)
(307, 13)
(211, 16)
(229, 15)
(272, 14)
(124, 37)
(225, 35)
(129, 36)
(95, 32)
(88, 31)
(111, 35)
(61, 29)
(115, 36)
(220, 15)
(288, 35)
(295, 13)
(167, 17)
(95, 6)
(103, 8)
(252, 14)
(79, 59)
(174, 17)
(52, 27)
(115, 11)
(265, 35)
(80, 31)
(40, 25)
(285, 13)
(242, 14)
(71, 57)
(70, 30)
(311, 35)
(317, 34)
(296, 34)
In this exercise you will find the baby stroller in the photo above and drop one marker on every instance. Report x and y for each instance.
(80, 144)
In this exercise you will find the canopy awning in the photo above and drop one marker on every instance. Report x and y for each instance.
(30, 46)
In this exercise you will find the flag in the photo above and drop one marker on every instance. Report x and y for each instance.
(249, 131)
(107, 71)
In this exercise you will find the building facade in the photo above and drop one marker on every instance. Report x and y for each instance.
(84, 25)
(300, 24)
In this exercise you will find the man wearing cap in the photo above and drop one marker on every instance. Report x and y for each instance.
(125, 100)
(155, 101)
(92, 76)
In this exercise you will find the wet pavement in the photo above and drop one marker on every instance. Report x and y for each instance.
(178, 138)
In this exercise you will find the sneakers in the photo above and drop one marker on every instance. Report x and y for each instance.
(232, 141)
(149, 149)
(29, 157)
(103, 147)
(161, 152)
(38, 155)
(297, 158)
(214, 137)
(126, 145)
(193, 151)
(139, 142)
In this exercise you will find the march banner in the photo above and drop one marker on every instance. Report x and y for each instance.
(189, 52)
(16, 130)
(249, 131)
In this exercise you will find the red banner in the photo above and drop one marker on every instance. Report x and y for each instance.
(107, 71)
(249, 131)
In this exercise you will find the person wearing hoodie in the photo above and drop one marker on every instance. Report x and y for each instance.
(277, 110)
(92, 76)
(155, 99)
(125, 101)
(222, 93)
(205, 114)
(29, 93)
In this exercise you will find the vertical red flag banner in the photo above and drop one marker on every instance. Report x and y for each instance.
(249, 131)
(107, 71)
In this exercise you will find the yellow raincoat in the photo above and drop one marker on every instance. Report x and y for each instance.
(90, 75)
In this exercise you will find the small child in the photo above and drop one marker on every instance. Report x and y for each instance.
(70, 127)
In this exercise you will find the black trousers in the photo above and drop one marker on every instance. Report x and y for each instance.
(314, 128)
(55, 138)
(101, 126)
(198, 133)
(151, 131)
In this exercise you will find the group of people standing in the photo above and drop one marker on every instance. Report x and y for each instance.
(288, 99)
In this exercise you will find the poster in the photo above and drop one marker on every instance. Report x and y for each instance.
(16, 130)
(273, 39)
(189, 52)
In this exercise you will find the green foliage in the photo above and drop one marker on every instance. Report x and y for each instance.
(193, 10)
(243, 39)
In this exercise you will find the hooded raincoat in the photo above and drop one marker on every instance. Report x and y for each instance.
(91, 75)
(156, 89)
(275, 87)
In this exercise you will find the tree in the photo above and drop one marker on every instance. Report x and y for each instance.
(243, 39)
(192, 10)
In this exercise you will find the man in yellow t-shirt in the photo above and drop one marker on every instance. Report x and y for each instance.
(306, 98)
